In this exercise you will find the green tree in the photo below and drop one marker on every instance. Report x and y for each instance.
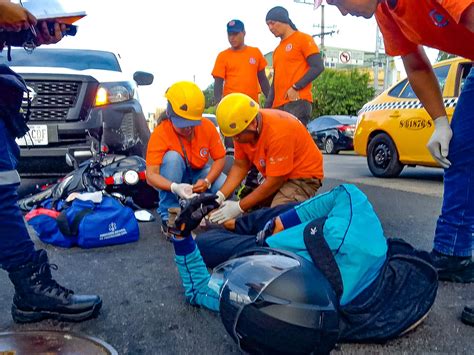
(443, 55)
(341, 92)
(209, 95)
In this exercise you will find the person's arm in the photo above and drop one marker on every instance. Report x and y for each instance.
(271, 185)
(467, 18)
(426, 87)
(424, 82)
(14, 17)
(218, 89)
(216, 169)
(194, 274)
(264, 84)
(271, 95)
(237, 173)
(153, 178)
(316, 67)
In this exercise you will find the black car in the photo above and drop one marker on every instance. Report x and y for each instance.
(333, 133)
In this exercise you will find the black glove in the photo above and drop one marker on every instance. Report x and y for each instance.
(265, 232)
(193, 212)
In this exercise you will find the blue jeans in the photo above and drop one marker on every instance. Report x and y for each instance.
(218, 244)
(174, 169)
(16, 247)
(455, 226)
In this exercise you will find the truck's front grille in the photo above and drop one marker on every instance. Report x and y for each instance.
(52, 99)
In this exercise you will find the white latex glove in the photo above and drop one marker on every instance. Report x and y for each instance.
(220, 197)
(228, 210)
(438, 145)
(183, 190)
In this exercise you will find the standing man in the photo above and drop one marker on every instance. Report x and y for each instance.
(37, 295)
(278, 145)
(240, 68)
(296, 63)
(447, 25)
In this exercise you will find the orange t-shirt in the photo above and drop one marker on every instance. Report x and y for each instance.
(284, 148)
(206, 142)
(289, 65)
(239, 70)
(432, 23)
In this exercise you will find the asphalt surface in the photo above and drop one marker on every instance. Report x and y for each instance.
(145, 312)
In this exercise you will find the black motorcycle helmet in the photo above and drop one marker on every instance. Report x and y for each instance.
(275, 302)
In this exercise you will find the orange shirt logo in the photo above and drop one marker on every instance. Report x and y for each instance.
(438, 19)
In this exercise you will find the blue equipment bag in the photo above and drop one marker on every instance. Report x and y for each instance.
(85, 224)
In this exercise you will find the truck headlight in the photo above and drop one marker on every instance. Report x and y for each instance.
(110, 93)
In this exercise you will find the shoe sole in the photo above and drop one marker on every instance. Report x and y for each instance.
(21, 316)
(462, 276)
(467, 317)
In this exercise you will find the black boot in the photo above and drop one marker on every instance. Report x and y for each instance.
(38, 296)
(468, 315)
(453, 268)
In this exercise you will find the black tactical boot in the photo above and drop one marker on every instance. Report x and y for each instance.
(468, 315)
(38, 296)
(453, 268)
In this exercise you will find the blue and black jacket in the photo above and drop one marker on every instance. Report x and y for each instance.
(352, 231)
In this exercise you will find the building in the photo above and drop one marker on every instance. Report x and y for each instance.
(379, 65)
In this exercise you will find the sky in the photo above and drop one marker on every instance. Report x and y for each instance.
(180, 39)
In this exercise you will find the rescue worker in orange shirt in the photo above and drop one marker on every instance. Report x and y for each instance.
(296, 63)
(447, 25)
(240, 68)
(279, 146)
(180, 148)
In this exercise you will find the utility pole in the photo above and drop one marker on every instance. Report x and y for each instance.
(322, 28)
(376, 60)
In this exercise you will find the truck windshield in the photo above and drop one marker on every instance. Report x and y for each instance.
(62, 58)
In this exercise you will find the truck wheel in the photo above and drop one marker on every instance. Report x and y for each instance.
(382, 157)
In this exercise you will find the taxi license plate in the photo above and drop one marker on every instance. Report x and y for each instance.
(37, 135)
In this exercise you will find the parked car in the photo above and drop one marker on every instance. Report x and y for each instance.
(74, 90)
(333, 133)
(394, 128)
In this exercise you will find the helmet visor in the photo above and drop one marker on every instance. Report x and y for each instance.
(246, 277)
(242, 280)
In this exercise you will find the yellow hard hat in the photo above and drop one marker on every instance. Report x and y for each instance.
(186, 99)
(235, 112)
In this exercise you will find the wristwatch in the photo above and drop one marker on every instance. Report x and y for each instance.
(209, 184)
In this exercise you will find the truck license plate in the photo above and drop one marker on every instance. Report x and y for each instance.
(38, 135)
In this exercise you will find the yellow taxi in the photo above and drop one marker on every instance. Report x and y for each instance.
(393, 129)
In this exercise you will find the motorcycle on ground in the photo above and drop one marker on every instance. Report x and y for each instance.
(123, 177)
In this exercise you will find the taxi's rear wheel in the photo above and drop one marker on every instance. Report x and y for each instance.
(382, 157)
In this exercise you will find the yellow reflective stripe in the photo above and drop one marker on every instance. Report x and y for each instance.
(9, 177)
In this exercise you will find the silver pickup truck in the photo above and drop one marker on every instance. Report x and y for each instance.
(72, 91)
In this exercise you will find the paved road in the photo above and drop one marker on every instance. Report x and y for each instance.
(145, 313)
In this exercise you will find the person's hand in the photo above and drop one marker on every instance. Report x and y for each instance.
(201, 186)
(194, 211)
(227, 211)
(292, 94)
(220, 197)
(183, 190)
(265, 232)
(438, 145)
(14, 17)
(43, 35)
